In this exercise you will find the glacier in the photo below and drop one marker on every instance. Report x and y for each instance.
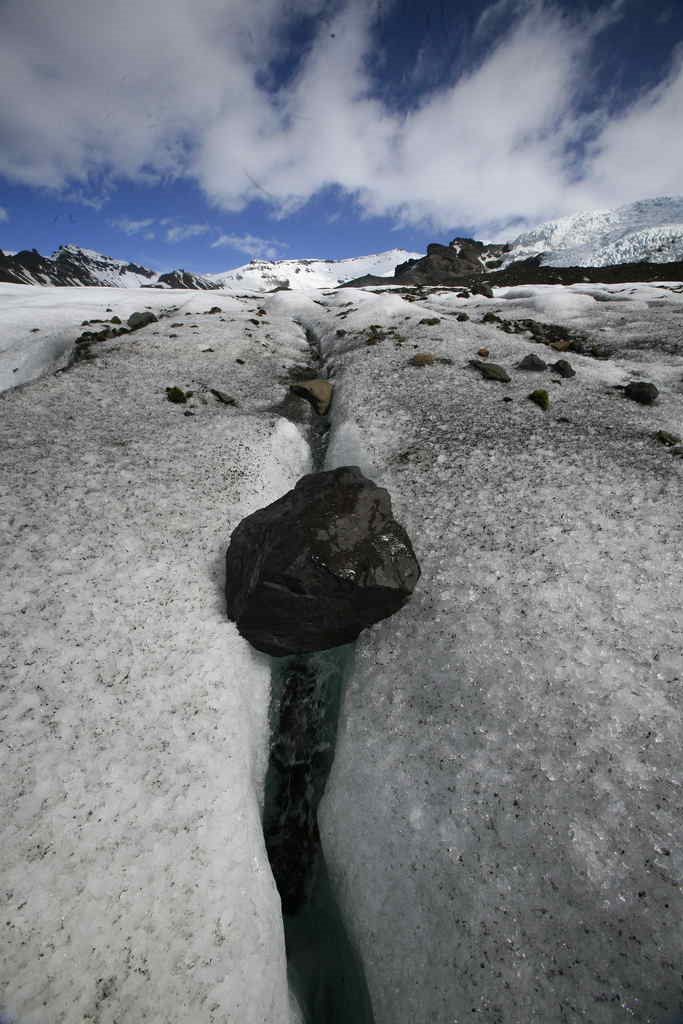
(650, 229)
(502, 820)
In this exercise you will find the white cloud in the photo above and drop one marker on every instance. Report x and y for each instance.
(94, 202)
(4, 215)
(182, 231)
(640, 153)
(89, 97)
(265, 247)
(133, 227)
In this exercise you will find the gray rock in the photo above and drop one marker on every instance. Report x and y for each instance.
(532, 362)
(641, 391)
(138, 320)
(222, 397)
(667, 439)
(319, 565)
(563, 368)
(317, 392)
(491, 371)
(541, 398)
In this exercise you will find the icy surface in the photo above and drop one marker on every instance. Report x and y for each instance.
(135, 884)
(39, 326)
(651, 229)
(503, 820)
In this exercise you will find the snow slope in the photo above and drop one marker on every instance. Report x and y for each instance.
(38, 326)
(503, 819)
(133, 716)
(651, 229)
(107, 270)
(264, 275)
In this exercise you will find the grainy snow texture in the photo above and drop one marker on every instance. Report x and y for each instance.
(135, 884)
(503, 820)
(39, 326)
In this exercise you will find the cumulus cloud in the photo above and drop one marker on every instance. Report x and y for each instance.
(4, 216)
(181, 232)
(267, 248)
(177, 88)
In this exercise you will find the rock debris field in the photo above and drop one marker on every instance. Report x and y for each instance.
(502, 824)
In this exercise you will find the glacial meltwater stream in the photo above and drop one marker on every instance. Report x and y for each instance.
(325, 972)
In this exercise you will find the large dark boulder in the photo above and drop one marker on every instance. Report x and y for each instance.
(317, 566)
(641, 391)
(137, 320)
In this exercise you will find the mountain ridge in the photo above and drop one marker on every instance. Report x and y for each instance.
(645, 233)
(73, 266)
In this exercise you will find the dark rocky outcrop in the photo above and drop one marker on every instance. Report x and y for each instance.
(463, 258)
(26, 267)
(185, 279)
(319, 565)
(467, 263)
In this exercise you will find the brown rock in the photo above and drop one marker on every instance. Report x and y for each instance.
(483, 352)
(317, 392)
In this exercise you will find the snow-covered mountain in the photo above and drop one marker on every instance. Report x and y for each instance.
(72, 266)
(651, 229)
(264, 275)
(105, 269)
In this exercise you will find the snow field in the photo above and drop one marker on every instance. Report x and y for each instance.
(58, 314)
(135, 881)
(503, 816)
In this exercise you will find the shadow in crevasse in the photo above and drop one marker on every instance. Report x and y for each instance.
(325, 972)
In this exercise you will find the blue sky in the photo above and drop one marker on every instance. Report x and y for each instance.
(200, 133)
